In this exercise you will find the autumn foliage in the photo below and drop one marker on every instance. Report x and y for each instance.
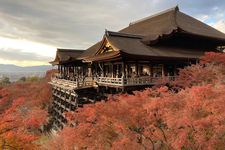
(23, 110)
(192, 117)
(188, 114)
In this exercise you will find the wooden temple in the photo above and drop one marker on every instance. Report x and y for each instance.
(130, 59)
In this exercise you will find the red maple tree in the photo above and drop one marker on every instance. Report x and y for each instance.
(23, 108)
(192, 118)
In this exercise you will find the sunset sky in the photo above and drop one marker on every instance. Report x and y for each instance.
(31, 30)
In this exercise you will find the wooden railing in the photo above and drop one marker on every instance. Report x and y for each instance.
(110, 81)
(140, 81)
(61, 76)
(65, 84)
(70, 85)
(89, 82)
(144, 80)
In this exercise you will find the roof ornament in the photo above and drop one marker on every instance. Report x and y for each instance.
(177, 8)
(106, 32)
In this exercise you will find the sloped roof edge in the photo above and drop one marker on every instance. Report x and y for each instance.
(63, 55)
(176, 8)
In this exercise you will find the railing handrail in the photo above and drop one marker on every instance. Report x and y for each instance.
(72, 84)
(142, 80)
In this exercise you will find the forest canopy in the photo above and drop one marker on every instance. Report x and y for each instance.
(187, 113)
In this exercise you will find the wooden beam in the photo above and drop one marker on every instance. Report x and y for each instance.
(123, 70)
(150, 69)
(163, 71)
(112, 71)
(136, 68)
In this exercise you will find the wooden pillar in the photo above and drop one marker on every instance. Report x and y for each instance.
(136, 69)
(59, 71)
(81, 71)
(75, 70)
(163, 70)
(112, 70)
(97, 70)
(68, 71)
(58, 68)
(175, 70)
(127, 70)
(103, 69)
(123, 70)
(117, 70)
(89, 71)
(150, 70)
(140, 71)
(84, 70)
(64, 71)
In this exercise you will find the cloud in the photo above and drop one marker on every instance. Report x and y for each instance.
(80, 23)
(202, 17)
(220, 25)
(19, 55)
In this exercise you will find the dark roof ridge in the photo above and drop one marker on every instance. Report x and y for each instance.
(176, 8)
(120, 34)
(68, 50)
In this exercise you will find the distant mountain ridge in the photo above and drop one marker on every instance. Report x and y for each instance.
(14, 68)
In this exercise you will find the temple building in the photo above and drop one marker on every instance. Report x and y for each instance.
(130, 59)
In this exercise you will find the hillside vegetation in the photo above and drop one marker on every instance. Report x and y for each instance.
(23, 111)
(187, 114)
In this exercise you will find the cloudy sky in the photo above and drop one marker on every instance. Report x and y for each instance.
(31, 30)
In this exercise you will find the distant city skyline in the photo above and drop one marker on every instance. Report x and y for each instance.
(31, 31)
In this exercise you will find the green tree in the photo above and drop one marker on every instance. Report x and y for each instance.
(23, 79)
(5, 81)
(33, 79)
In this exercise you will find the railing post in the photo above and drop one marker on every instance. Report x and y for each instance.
(77, 83)
(122, 80)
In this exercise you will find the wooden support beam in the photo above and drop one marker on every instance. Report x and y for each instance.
(163, 71)
(117, 70)
(112, 71)
(58, 68)
(64, 71)
(123, 70)
(136, 69)
(175, 70)
(127, 70)
(150, 70)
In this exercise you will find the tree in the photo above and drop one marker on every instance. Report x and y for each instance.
(151, 119)
(23, 110)
(13, 131)
(190, 118)
(210, 70)
(213, 58)
(5, 81)
(23, 79)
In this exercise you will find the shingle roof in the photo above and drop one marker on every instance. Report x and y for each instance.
(64, 55)
(156, 27)
(169, 21)
(90, 51)
(127, 46)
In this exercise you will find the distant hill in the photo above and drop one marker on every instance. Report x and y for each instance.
(14, 68)
(16, 72)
